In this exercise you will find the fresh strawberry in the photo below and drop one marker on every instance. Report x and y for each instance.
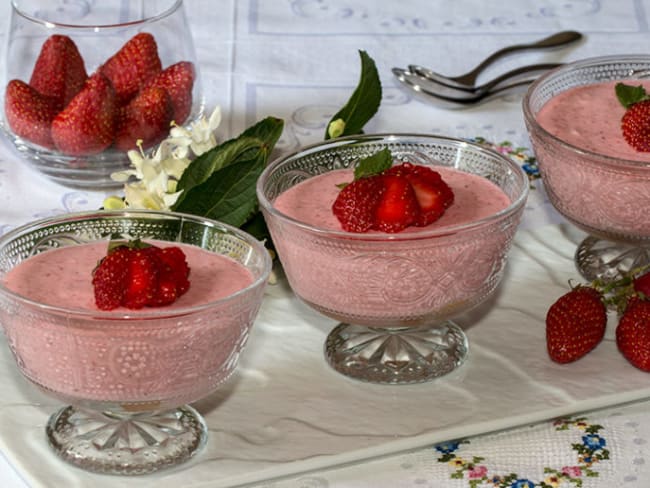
(135, 64)
(635, 125)
(178, 80)
(145, 118)
(141, 279)
(641, 285)
(633, 334)
(59, 71)
(432, 193)
(109, 279)
(355, 204)
(87, 125)
(575, 324)
(398, 205)
(175, 265)
(30, 114)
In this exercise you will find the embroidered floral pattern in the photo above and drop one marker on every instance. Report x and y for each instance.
(518, 154)
(589, 452)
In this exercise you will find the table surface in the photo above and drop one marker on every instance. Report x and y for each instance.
(298, 60)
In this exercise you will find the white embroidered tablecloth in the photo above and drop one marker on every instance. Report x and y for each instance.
(298, 60)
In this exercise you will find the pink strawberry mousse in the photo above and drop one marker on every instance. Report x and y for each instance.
(149, 356)
(597, 181)
(384, 279)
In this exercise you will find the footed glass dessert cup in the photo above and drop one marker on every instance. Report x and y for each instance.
(394, 293)
(607, 197)
(127, 377)
(52, 51)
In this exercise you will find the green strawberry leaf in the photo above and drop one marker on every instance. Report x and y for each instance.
(361, 106)
(373, 164)
(629, 95)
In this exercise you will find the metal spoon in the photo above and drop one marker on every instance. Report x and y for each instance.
(469, 79)
(422, 87)
(447, 91)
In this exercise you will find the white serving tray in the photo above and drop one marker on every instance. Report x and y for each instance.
(286, 412)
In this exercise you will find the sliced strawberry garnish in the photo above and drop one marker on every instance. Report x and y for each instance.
(356, 203)
(141, 280)
(175, 265)
(635, 125)
(87, 125)
(178, 80)
(59, 71)
(398, 206)
(109, 279)
(30, 114)
(145, 118)
(134, 65)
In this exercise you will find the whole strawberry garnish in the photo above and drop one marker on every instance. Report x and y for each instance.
(633, 334)
(173, 273)
(356, 203)
(30, 114)
(145, 118)
(141, 279)
(575, 324)
(109, 278)
(178, 80)
(635, 123)
(59, 71)
(87, 125)
(135, 64)
(398, 207)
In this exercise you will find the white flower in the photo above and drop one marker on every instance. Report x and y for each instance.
(151, 183)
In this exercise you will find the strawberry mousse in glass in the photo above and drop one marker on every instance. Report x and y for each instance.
(394, 292)
(84, 82)
(593, 177)
(127, 375)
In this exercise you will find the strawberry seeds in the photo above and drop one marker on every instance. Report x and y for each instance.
(129, 98)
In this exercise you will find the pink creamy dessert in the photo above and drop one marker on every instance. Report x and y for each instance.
(135, 358)
(388, 279)
(593, 177)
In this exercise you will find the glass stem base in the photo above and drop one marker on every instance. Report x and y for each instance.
(126, 444)
(400, 355)
(598, 258)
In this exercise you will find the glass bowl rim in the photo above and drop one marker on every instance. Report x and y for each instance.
(174, 6)
(448, 230)
(141, 314)
(582, 63)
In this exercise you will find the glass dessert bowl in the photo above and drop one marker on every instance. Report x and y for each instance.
(600, 184)
(127, 376)
(394, 293)
(82, 82)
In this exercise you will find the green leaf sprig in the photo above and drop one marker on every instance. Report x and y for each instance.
(362, 105)
(629, 95)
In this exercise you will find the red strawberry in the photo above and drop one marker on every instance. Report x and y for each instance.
(59, 71)
(398, 206)
(135, 64)
(141, 279)
(575, 324)
(30, 114)
(432, 193)
(633, 334)
(87, 125)
(635, 125)
(146, 117)
(175, 264)
(641, 285)
(178, 80)
(355, 204)
(109, 279)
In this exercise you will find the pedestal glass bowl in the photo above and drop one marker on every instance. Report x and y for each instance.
(393, 293)
(99, 30)
(605, 196)
(127, 376)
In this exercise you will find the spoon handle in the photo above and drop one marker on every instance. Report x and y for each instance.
(555, 40)
(513, 74)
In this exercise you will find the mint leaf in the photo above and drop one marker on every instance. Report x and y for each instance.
(261, 136)
(361, 106)
(628, 94)
(373, 164)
